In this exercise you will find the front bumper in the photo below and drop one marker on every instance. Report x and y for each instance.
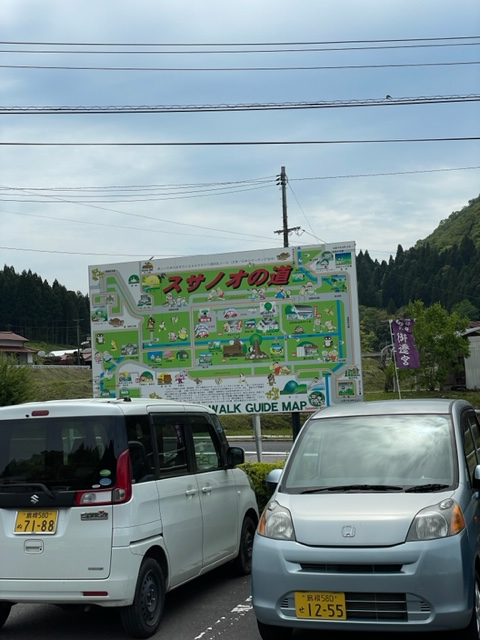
(416, 586)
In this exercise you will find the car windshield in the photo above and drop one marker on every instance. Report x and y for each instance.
(68, 453)
(373, 453)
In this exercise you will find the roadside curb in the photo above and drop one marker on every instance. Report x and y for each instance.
(270, 438)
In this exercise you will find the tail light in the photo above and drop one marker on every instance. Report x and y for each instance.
(122, 492)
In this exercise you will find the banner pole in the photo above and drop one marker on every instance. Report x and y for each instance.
(395, 360)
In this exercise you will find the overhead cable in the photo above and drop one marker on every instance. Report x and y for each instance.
(259, 106)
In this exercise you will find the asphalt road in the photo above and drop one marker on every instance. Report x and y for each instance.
(271, 450)
(214, 607)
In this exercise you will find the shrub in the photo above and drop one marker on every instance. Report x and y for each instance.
(257, 472)
(16, 382)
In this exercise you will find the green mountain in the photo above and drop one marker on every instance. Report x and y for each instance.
(453, 229)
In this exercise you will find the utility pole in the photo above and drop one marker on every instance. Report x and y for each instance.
(282, 181)
(77, 321)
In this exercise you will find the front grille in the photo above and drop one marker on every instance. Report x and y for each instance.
(351, 568)
(374, 607)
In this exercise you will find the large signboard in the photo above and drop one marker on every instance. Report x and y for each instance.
(254, 332)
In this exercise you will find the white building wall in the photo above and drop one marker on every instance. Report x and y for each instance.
(472, 364)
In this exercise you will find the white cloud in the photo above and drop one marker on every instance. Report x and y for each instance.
(378, 213)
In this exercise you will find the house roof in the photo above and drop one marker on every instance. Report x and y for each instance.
(472, 329)
(5, 349)
(9, 335)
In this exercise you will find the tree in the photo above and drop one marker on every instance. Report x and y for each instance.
(439, 340)
(16, 381)
(466, 309)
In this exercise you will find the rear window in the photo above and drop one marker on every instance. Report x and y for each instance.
(405, 450)
(67, 453)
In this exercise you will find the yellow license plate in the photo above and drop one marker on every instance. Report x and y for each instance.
(324, 605)
(41, 522)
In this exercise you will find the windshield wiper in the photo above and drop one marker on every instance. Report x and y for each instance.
(426, 488)
(31, 485)
(356, 487)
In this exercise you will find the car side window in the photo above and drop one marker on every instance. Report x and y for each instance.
(469, 445)
(207, 448)
(142, 457)
(170, 438)
(474, 428)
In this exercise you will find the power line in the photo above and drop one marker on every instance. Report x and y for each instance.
(386, 173)
(148, 230)
(258, 106)
(243, 52)
(136, 187)
(232, 69)
(237, 142)
(235, 44)
(150, 198)
(268, 180)
(143, 216)
(303, 49)
(84, 253)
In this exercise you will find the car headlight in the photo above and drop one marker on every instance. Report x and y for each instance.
(438, 521)
(276, 522)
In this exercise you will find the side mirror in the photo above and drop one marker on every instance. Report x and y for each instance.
(476, 477)
(235, 456)
(273, 479)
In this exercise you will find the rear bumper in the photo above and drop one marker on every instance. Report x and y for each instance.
(117, 590)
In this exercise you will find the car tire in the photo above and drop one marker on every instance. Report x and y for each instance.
(472, 632)
(4, 612)
(272, 632)
(142, 618)
(243, 562)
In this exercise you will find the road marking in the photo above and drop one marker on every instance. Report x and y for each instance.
(239, 611)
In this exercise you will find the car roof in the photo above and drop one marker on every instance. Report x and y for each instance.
(128, 406)
(382, 407)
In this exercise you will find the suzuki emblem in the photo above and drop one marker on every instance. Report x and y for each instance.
(34, 499)
(348, 531)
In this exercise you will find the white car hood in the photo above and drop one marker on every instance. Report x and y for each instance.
(355, 519)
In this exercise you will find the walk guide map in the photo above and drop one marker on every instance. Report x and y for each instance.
(263, 331)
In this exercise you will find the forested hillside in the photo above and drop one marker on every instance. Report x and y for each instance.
(452, 230)
(41, 312)
(444, 268)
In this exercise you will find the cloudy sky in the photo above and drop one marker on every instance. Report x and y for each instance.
(80, 188)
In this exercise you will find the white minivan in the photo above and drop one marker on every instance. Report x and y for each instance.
(114, 502)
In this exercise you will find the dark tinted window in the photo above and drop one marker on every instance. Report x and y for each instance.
(171, 445)
(468, 442)
(141, 449)
(474, 428)
(72, 453)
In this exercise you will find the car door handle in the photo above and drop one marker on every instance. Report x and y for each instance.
(207, 489)
(190, 492)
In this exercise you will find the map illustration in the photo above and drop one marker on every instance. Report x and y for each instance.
(264, 331)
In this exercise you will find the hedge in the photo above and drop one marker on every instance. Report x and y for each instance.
(258, 472)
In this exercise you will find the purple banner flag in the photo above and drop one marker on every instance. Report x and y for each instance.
(406, 352)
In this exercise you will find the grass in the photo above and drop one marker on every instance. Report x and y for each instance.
(63, 382)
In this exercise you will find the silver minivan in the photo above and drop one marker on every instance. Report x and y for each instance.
(115, 502)
(374, 524)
